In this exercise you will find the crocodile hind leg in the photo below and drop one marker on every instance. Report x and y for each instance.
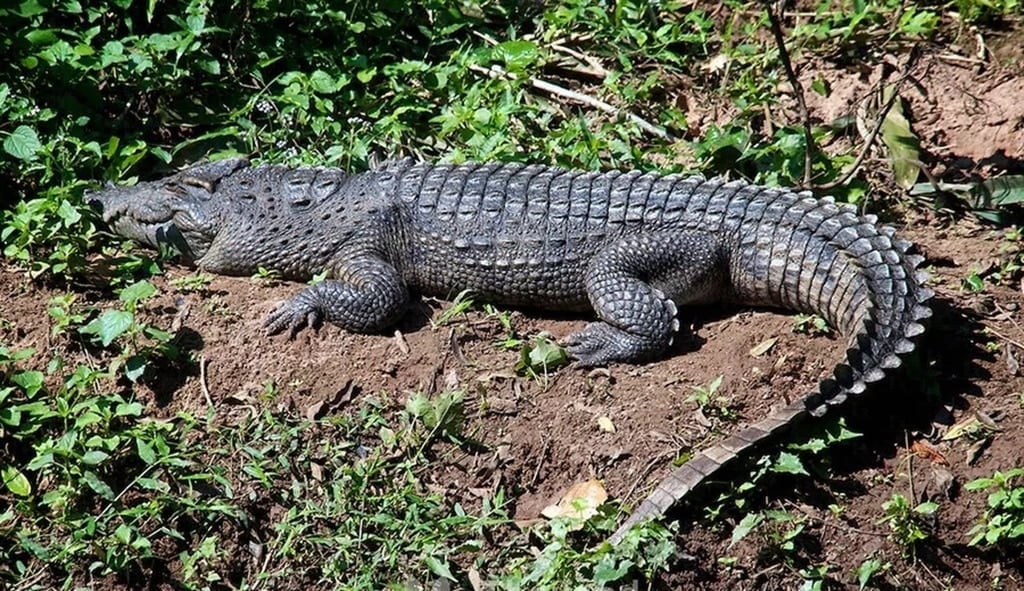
(634, 285)
(366, 294)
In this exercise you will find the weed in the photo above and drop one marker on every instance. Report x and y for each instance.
(977, 11)
(811, 324)
(146, 343)
(541, 356)
(908, 524)
(196, 282)
(96, 483)
(63, 314)
(867, 571)
(789, 461)
(711, 402)
(1003, 521)
(462, 303)
(646, 549)
(510, 339)
(268, 276)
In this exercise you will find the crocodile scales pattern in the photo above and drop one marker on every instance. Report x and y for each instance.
(631, 246)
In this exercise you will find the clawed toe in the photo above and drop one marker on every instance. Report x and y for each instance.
(293, 316)
(600, 343)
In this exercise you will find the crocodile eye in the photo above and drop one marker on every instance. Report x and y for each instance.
(300, 202)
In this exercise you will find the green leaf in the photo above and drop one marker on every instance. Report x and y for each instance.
(745, 526)
(608, 571)
(439, 567)
(146, 453)
(134, 367)
(821, 86)
(788, 463)
(94, 457)
(30, 381)
(137, 291)
(16, 482)
(30, 8)
(866, 570)
(68, 214)
(999, 192)
(152, 484)
(542, 354)
(904, 147)
(23, 143)
(98, 486)
(516, 55)
(322, 82)
(128, 409)
(110, 325)
(41, 36)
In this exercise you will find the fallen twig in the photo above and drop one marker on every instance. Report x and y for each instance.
(879, 122)
(798, 90)
(540, 462)
(544, 85)
(596, 69)
(202, 381)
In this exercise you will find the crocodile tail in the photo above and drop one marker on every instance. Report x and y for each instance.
(884, 313)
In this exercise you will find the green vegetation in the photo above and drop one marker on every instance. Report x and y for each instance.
(909, 524)
(105, 484)
(1003, 521)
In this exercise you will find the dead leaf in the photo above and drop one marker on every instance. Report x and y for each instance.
(974, 452)
(580, 501)
(402, 344)
(763, 347)
(923, 449)
(451, 381)
(475, 580)
(987, 421)
(1011, 361)
(605, 424)
(942, 481)
(717, 63)
(342, 396)
(973, 425)
(312, 411)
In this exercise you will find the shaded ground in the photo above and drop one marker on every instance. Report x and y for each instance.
(540, 438)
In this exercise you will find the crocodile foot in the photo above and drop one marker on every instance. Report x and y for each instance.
(295, 314)
(600, 343)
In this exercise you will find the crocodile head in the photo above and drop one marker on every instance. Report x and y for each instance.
(231, 218)
(179, 211)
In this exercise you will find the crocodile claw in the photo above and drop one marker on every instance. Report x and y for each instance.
(294, 314)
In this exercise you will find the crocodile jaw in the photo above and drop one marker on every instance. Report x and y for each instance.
(153, 215)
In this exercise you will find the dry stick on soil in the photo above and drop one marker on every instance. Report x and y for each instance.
(1009, 317)
(798, 89)
(202, 381)
(910, 467)
(1005, 338)
(498, 72)
(787, 65)
(596, 69)
(540, 462)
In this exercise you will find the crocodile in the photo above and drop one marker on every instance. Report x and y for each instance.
(630, 246)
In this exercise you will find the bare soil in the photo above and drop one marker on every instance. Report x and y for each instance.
(540, 438)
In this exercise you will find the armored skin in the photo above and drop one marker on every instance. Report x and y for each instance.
(630, 246)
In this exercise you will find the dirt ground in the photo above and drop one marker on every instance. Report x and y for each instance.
(542, 438)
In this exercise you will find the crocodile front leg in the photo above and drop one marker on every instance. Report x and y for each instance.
(634, 286)
(366, 295)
